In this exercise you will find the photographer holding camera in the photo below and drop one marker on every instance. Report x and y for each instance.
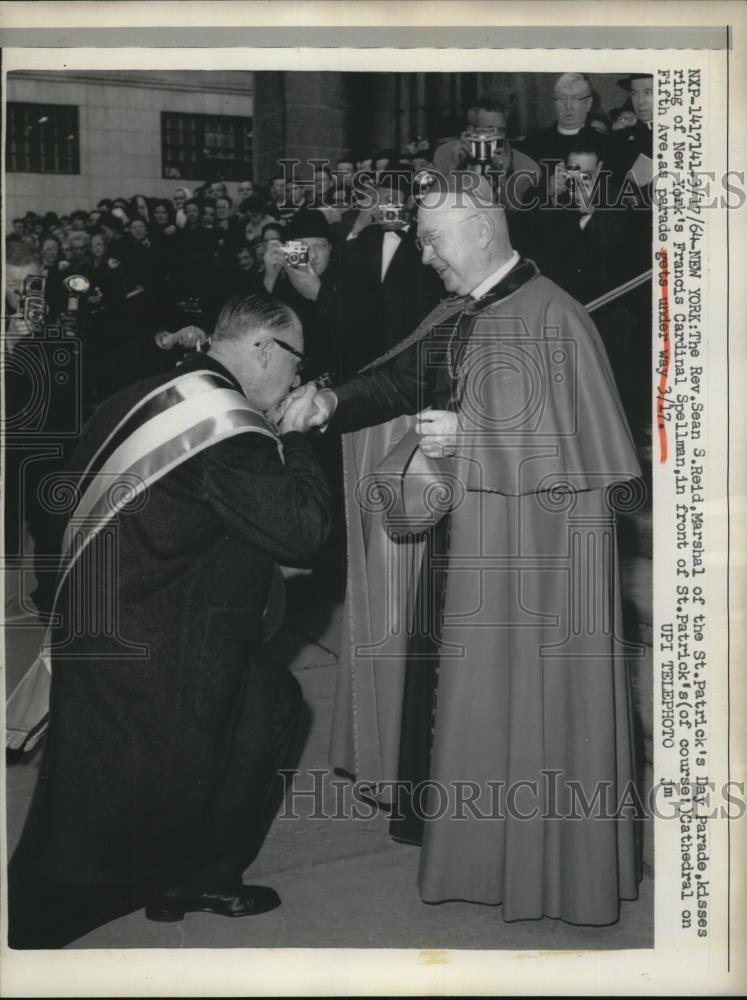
(484, 148)
(386, 290)
(581, 243)
(484, 145)
(301, 273)
(484, 142)
(21, 262)
(589, 249)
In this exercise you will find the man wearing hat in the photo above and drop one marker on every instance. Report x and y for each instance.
(310, 289)
(629, 144)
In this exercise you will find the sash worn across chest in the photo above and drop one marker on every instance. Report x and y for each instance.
(168, 426)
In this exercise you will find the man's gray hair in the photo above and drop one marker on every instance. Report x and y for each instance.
(245, 314)
(567, 78)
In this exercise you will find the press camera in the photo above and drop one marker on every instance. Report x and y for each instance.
(485, 142)
(391, 215)
(32, 297)
(295, 253)
(574, 176)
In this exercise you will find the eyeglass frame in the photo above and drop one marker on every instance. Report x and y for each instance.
(302, 358)
(572, 100)
(421, 244)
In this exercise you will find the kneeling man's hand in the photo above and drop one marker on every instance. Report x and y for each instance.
(439, 431)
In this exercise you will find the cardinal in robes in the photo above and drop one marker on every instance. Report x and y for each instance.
(483, 692)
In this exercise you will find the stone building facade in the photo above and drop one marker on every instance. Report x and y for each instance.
(121, 116)
(119, 136)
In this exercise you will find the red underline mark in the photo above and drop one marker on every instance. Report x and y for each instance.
(664, 353)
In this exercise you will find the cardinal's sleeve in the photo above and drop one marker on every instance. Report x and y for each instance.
(399, 386)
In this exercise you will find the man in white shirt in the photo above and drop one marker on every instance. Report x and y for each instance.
(386, 289)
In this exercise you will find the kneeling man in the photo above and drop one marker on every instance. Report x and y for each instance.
(165, 729)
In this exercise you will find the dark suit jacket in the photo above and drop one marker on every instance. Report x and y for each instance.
(549, 144)
(585, 262)
(627, 144)
(150, 766)
(379, 314)
(320, 318)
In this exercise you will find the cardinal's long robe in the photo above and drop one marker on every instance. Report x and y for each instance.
(511, 607)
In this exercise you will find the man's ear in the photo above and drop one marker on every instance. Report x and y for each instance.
(485, 230)
(264, 351)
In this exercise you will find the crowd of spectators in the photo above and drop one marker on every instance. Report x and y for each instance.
(156, 265)
(158, 270)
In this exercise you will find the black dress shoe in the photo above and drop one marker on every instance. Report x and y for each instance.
(247, 901)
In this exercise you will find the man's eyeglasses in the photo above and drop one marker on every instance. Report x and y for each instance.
(571, 100)
(302, 358)
(421, 242)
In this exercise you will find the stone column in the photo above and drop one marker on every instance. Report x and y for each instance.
(381, 110)
(269, 123)
(301, 116)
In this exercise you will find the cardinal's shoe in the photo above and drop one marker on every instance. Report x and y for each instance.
(244, 901)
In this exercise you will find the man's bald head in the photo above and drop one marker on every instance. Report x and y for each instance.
(462, 231)
(459, 189)
(463, 194)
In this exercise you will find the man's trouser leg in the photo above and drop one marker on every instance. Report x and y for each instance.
(269, 738)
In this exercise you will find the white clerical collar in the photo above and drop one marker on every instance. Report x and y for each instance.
(569, 131)
(495, 277)
(389, 247)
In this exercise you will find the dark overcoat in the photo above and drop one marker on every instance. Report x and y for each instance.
(161, 725)
(379, 314)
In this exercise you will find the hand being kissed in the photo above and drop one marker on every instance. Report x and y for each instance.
(303, 409)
